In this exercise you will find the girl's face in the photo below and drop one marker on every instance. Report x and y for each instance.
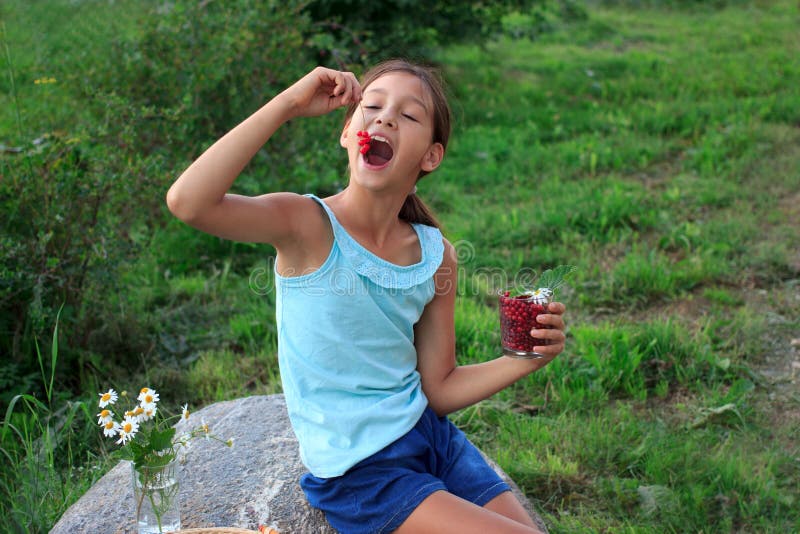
(398, 114)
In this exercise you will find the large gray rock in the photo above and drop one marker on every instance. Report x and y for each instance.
(255, 483)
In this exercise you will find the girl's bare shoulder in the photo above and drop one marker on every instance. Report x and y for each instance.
(308, 235)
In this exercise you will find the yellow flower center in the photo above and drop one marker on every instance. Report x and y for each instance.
(127, 427)
(109, 425)
(105, 413)
(148, 399)
(106, 397)
(144, 390)
(138, 411)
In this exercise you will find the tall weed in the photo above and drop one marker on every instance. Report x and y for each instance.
(44, 444)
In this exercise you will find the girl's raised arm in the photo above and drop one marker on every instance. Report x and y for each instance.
(200, 195)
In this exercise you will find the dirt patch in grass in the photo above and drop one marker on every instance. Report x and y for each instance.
(778, 364)
(779, 361)
(687, 310)
(789, 205)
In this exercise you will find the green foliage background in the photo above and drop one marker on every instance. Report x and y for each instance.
(653, 144)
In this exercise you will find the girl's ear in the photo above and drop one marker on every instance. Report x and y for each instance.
(432, 158)
(343, 137)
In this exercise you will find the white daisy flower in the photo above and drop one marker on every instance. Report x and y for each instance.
(127, 430)
(147, 396)
(205, 428)
(104, 417)
(110, 428)
(541, 295)
(185, 410)
(109, 397)
(148, 412)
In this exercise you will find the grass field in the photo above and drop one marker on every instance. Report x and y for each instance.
(656, 146)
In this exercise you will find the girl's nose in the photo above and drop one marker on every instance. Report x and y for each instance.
(386, 118)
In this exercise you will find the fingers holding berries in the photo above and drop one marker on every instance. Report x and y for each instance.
(346, 87)
(321, 91)
(554, 317)
(556, 307)
(551, 335)
(552, 332)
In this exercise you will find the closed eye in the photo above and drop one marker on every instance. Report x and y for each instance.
(406, 115)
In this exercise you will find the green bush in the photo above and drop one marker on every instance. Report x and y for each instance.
(201, 68)
(68, 224)
(204, 66)
(84, 200)
(354, 31)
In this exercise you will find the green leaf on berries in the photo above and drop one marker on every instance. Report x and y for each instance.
(555, 278)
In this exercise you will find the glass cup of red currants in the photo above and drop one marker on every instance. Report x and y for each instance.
(518, 315)
(519, 311)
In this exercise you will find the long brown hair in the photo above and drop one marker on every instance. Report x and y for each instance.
(414, 209)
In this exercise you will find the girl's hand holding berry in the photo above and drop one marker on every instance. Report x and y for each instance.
(321, 91)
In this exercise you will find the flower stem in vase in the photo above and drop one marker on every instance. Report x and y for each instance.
(157, 502)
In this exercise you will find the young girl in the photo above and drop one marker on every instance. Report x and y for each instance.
(366, 288)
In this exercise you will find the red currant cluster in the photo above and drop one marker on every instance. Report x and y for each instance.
(364, 141)
(517, 319)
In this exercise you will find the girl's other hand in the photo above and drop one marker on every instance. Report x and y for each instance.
(321, 91)
(555, 333)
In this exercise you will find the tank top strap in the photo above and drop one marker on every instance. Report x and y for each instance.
(380, 271)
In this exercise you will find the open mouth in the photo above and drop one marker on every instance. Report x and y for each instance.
(379, 153)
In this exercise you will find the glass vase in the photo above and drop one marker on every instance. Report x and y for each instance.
(156, 498)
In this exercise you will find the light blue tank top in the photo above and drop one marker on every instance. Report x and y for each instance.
(346, 349)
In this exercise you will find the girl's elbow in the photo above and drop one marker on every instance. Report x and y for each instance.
(441, 411)
(177, 206)
(438, 406)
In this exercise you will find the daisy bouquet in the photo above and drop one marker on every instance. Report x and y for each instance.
(148, 439)
(146, 435)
